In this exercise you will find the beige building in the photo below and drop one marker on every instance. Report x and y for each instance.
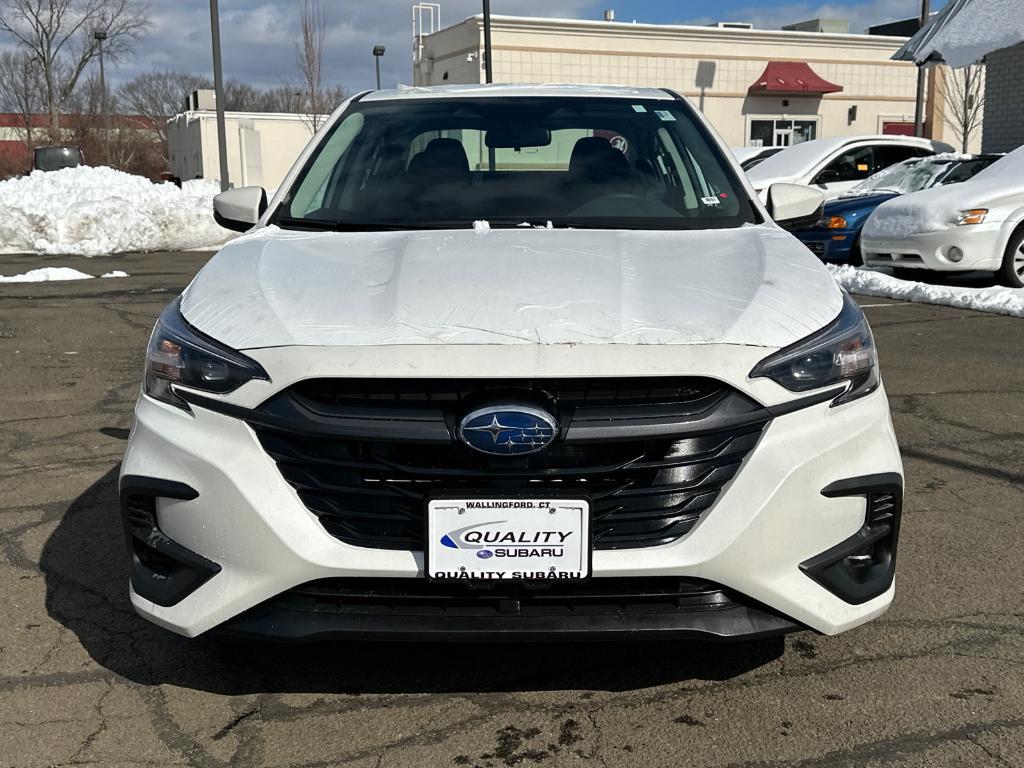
(757, 87)
(261, 146)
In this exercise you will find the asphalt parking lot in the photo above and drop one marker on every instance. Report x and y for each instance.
(937, 681)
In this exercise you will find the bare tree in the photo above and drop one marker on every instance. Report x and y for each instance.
(309, 58)
(132, 143)
(60, 36)
(159, 96)
(21, 91)
(964, 94)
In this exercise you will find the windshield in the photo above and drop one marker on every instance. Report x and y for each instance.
(571, 161)
(55, 158)
(966, 170)
(909, 176)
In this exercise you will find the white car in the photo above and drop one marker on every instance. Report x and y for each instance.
(748, 157)
(837, 164)
(975, 225)
(512, 363)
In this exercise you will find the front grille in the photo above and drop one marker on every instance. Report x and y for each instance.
(816, 247)
(420, 597)
(651, 455)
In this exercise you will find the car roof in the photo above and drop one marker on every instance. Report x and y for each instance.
(807, 155)
(507, 90)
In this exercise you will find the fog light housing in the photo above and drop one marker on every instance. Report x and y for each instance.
(862, 567)
(954, 254)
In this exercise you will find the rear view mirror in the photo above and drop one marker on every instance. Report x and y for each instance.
(513, 137)
(794, 206)
(827, 176)
(240, 209)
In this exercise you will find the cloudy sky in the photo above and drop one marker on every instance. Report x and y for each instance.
(257, 35)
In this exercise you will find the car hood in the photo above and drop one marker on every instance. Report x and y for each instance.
(856, 203)
(753, 286)
(762, 182)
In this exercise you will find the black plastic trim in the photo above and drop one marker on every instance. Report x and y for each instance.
(857, 486)
(804, 402)
(858, 585)
(727, 624)
(283, 412)
(187, 570)
(140, 485)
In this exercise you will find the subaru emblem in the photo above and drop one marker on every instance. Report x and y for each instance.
(508, 430)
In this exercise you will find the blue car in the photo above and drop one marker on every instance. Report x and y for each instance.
(836, 236)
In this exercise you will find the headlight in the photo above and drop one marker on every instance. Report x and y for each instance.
(179, 354)
(841, 353)
(972, 216)
(834, 222)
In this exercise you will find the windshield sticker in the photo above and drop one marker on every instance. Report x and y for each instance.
(639, 108)
(665, 115)
(711, 201)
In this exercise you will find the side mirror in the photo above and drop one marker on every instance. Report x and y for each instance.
(828, 176)
(240, 209)
(794, 206)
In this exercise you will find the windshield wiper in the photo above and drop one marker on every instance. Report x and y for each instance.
(333, 225)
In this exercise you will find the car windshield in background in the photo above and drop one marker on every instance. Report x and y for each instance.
(55, 158)
(909, 176)
(577, 161)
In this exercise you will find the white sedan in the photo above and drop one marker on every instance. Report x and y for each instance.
(836, 164)
(976, 225)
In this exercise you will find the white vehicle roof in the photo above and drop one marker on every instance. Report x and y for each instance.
(745, 153)
(507, 90)
(1007, 170)
(801, 158)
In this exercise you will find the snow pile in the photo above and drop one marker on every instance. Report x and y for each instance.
(54, 274)
(1003, 301)
(95, 211)
(46, 275)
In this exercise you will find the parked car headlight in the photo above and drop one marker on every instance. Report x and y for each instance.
(841, 353)
(179, 354)
(972, 216)
(833, 222)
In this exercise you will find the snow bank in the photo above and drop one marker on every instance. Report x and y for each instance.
(46, 275)
(53, 274)
(1002, 301)
(96, 211)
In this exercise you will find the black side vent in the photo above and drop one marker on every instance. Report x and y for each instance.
(161, 569)
(863, 566)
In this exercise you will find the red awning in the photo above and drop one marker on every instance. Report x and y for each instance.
(794, 77)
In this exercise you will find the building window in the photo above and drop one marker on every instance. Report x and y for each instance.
(781, 133)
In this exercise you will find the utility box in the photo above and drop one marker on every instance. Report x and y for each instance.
(262, 146)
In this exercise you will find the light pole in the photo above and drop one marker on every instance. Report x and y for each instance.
(218, 87)
(919, 103)
(488, 69)
(99, 36)
(378, 51)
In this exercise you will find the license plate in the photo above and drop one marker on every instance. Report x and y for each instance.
(508, 539)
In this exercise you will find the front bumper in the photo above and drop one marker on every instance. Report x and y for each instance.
(981, 244)
(771, 519)
(828, 244)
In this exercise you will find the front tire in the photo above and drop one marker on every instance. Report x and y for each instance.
(1012, 272)
(856, 257)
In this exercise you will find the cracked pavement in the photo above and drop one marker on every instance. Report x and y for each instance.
(937, 681)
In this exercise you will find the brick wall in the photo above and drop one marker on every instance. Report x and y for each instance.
(1003, 127)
